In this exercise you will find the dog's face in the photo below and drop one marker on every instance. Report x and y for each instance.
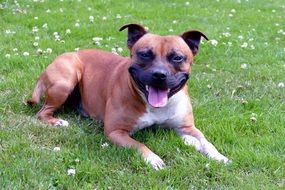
(161, 64)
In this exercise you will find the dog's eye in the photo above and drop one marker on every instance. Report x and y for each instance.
(177, 59)
(146, 55)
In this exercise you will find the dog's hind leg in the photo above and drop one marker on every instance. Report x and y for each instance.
(55, 96)
(36, 93)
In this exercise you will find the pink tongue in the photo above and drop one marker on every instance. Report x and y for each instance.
(157, 98)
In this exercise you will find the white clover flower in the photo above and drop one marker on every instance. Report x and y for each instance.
(45, 25)
(77, 25)
(91, 18)
(56, 149)
(97, 43)
(120, 49)
(49, 50)
(105, 145)
(89, 8)
(35, 29)
(15, 49)
(36, 18)
(76, 49)
(57, 37)
(231, 15)
(281, 85)
(39, 51)
(170, 30)
(67, 31)
(174, 21)
(35, 44)
(230, 43)
(187, 3)
(97, 39)
(226, 34)
(48, 11)
(273, 10)
(207, 166)
(146, 28)
(233, 11)
(244, 45)
(213, 42)
(104, 18)
(118, 16)
(252, 47)
(243, 66)
(253, 119)
(77, 160)
(37, 38)
(61, 10)
(71, 172)
(7, 55)
(240, 37)
(26, 54)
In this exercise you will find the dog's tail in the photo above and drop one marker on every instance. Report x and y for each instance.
(36, 93)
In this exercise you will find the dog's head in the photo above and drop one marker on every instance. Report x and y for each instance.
(161, 64)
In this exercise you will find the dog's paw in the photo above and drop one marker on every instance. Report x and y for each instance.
(155, 161)
(210, 150)
(61, 123)
(192, 141)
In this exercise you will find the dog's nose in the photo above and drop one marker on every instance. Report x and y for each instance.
(159, 75)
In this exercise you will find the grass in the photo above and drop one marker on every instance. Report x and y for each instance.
(225, 96)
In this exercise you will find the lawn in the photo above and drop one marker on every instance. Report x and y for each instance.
(236, 85)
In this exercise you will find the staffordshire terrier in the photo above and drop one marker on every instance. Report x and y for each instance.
(129, 93)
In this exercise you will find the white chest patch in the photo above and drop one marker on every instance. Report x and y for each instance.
(171, 115)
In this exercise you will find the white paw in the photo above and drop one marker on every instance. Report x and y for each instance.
(155, 161)
(210, 150)
(61, 123)
(192, 141)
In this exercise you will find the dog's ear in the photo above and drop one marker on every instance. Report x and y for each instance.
(192, 39)
(135, 32)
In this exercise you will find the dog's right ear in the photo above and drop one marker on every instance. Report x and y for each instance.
(135, 32)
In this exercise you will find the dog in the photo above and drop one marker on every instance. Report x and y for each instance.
(129, 93)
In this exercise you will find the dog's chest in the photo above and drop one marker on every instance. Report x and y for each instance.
(172, 115)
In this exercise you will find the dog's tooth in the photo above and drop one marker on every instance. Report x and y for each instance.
(146, 86)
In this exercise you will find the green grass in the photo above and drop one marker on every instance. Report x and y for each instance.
(224, 97)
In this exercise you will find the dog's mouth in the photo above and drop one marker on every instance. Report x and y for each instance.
(157, 97)
(157, 94)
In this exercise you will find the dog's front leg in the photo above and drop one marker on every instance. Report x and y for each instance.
(122, 138)
(193, 136)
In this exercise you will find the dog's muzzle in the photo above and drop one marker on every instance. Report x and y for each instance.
(157, 84)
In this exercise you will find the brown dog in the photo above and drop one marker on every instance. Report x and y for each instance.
(130, 93)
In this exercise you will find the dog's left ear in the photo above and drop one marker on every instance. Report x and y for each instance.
(192, 39)
(135, 32)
